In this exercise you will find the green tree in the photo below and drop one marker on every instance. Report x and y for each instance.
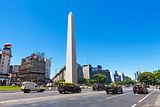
(128, 80)
(147, 78)
(100, 78)
(57, 82)
(157, 77)
(87, 82)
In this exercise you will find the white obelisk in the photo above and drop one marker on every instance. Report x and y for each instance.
(71, 67)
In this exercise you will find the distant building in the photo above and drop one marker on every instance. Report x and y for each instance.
(5, 58)
(99, 70)
(14, 68)
(60, 75)
(137, 74)
(117, 77)
(112, 77)
(87, 71)
(33, 68)
(14, 75)
(47, 69)
(80, 74)
(121, 75)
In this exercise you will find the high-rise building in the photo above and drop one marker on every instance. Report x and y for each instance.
(5, 58)
(71, 67)
(47, 69)
(87, 71)
(121, 75)
(112, 77)
(117, 77)
(80, 73)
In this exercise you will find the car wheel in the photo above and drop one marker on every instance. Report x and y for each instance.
(79, 91)
(25, 91)
(121, 91)
(107, 92)
(28, 91)
(60, 92)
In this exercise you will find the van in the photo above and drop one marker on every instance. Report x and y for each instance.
(31, 86)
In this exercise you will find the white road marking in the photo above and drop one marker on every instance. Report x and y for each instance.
(134, 105)
(145, 97)
(118, 96)
(99, 100)
(44, 98)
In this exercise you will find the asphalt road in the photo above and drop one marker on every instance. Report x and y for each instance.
(87, 98)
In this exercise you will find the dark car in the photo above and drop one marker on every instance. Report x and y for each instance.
(114, 88)
(140, 89)
(98, 87)
(65, 87)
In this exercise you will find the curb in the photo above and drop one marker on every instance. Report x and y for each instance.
(9, 91)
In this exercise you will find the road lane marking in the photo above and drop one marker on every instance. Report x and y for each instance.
(145, 97)
(118, 96)
(44, 98)
(134, 105)
(99, 100)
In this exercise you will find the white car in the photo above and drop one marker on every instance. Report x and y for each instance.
(31, 86)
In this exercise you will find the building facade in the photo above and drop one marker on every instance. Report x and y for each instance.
(47, 69)
(33, 68)
(87, 71)
(80, 74)
(5, 58)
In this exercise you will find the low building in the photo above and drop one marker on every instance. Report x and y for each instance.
(60, 75)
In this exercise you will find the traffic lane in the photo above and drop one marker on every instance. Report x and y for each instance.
(78, 100)
(21, 95)
(96, 100)
(149, 100)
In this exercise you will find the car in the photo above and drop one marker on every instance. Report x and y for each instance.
(140, 89)
(65, 87)
(31, 86)
(98, 87)
(114, 88)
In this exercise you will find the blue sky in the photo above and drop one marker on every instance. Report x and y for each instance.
(117, 34)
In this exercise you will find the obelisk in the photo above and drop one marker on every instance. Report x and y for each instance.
(71, 67)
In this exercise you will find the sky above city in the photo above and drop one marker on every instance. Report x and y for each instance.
(121, 35)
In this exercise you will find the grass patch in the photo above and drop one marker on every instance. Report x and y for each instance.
(9, 88)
